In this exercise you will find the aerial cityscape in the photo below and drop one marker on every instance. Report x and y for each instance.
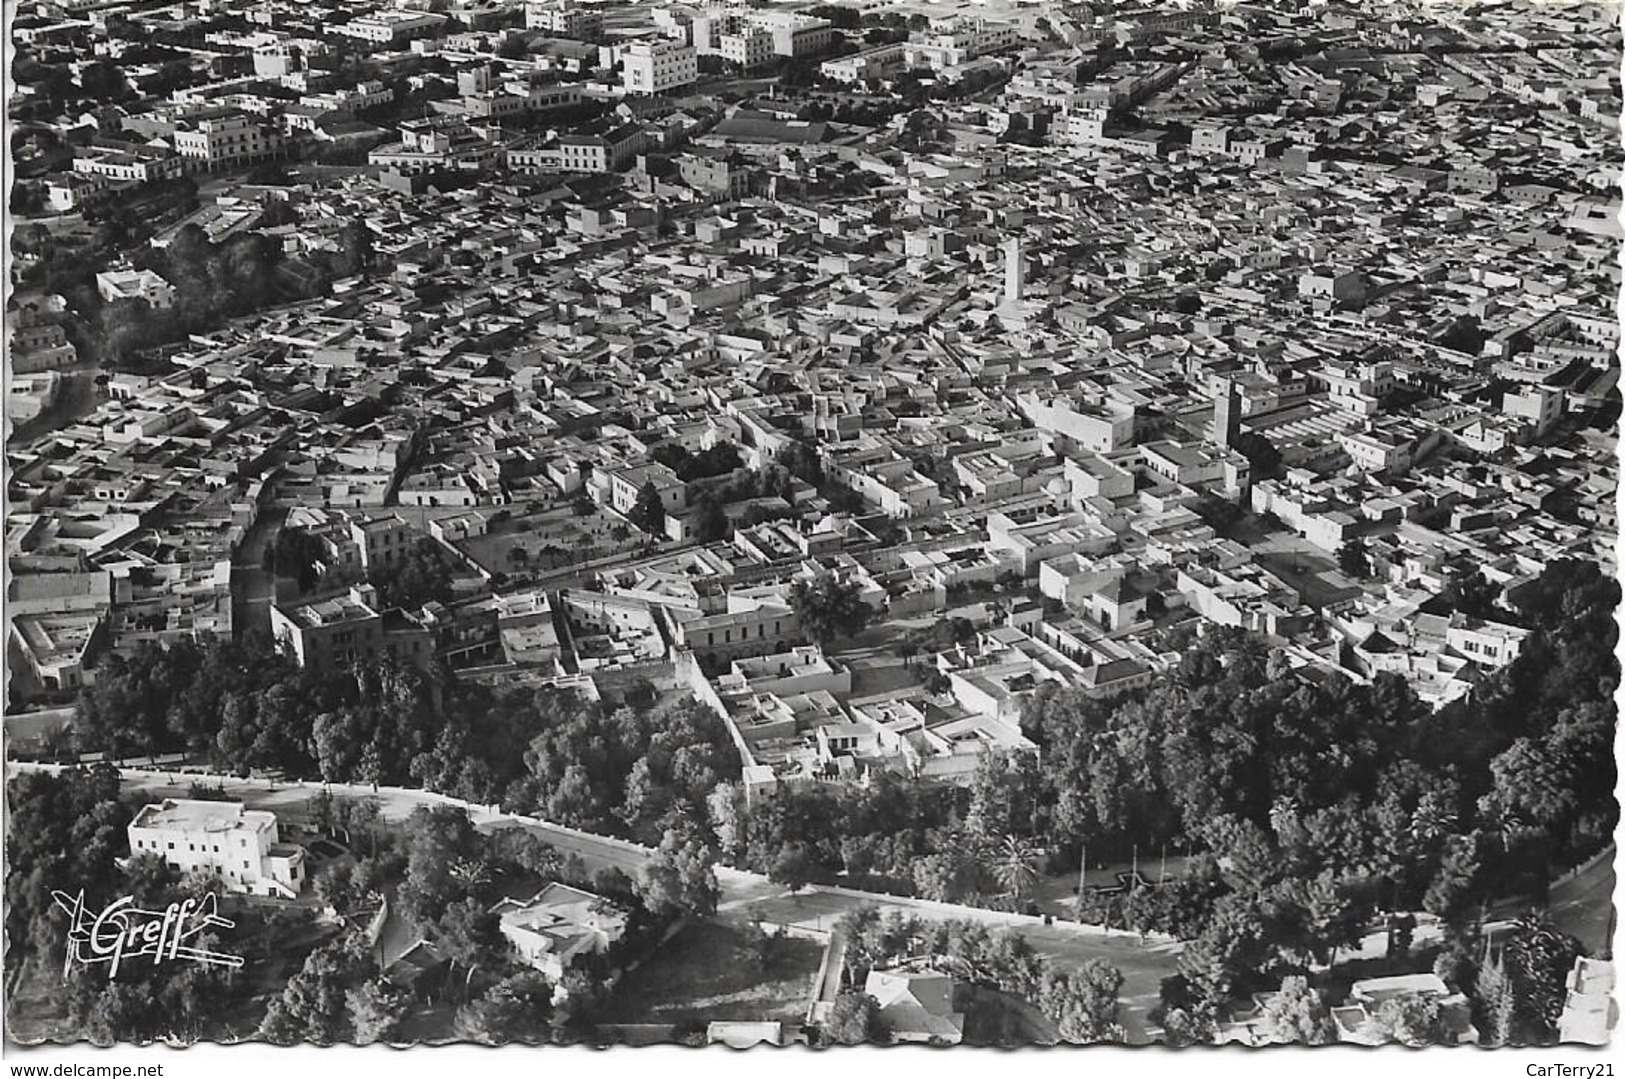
(956, 523)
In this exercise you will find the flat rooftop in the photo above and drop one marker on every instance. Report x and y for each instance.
(201, 816)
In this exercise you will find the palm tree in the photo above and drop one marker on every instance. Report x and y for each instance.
(1433, 819)
(1015, 866)
(471, 873)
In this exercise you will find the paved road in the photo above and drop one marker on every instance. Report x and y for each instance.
(1583, 905)
(252, 588)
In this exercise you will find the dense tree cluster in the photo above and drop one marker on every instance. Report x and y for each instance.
(798, 835)
(519, 1008)
(772, 480)
(211, 282)
(421, 576)
(449, 875)
(830, 608)
(620, 770)
(1411, 1019)
(215, 281)
(1354, 560)
(680, 880)
(854, 1019)
(1326, 801)
(1219, 514)
(1536, 963)
(243, 706)
(1297, 1015)
(718, 460)
(295, 553)
(315, 1005)
(711, 520)
(63, 833)
(801, 461)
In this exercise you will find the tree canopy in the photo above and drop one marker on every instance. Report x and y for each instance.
(829, 608)
(648, 512)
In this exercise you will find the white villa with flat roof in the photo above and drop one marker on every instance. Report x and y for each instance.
(239, 846)
(558, 925)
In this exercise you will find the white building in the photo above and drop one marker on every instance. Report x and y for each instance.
(626, 484)
(239, 846)
(1539, 406)
(750, 48)
(608, 152)
(564, 20)
(391, 27)
(875, 63)
(70, 190)
(275, 59)
(383, 541)
(960, 42)
(655, 67)
(1100, 426)
(233, 139)
(116, 165)
(559, 925)
(135, 285)
(788, 33)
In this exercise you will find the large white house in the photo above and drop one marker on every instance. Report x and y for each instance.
(239, 846)
(559, 925)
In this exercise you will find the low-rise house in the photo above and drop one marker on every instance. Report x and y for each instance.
(917, 1007)
(135, 285)
(56, 649)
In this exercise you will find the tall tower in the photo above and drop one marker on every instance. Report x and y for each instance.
(1226, 415)
(1015, 271)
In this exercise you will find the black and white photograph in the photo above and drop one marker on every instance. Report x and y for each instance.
(935, 523)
